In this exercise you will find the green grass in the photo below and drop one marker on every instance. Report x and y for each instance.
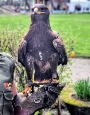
(69, 26)
(82, 88)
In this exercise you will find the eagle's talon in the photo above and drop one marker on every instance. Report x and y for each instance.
(55, 80)
(27, 90)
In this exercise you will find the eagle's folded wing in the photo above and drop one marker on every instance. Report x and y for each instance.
(22, 51)
(59, 46)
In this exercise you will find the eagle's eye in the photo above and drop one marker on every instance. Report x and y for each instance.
(43, 9)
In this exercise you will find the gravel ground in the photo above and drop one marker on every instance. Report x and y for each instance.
(80, 68)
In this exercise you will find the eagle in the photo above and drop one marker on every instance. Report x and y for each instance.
(41, 49)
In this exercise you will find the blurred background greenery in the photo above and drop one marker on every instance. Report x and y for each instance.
(74, 27)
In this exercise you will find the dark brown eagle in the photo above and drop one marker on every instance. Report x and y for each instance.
(41, 49)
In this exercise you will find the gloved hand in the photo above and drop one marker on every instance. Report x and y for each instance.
(41, 98)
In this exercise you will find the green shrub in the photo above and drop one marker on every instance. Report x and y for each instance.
(9, 42)
(82, 88)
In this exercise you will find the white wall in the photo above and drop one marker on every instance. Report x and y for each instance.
(83, 3)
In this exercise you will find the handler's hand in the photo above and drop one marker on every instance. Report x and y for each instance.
(42, 98)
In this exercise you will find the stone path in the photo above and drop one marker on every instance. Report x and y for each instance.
(80, 68)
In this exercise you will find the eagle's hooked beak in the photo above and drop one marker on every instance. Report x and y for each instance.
(36, 11)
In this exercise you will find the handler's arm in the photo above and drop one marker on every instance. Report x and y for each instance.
(14, 88)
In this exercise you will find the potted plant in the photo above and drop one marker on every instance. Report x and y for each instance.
(77, 98)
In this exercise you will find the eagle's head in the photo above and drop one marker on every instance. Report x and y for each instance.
(40, 12)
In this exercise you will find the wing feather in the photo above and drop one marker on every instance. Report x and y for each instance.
(59, 46)
(22, 52)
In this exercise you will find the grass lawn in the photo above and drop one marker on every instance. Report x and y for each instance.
(69, 26)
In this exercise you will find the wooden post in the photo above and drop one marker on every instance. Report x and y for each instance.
(59, 106)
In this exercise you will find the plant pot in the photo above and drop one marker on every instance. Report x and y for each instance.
(74, 105)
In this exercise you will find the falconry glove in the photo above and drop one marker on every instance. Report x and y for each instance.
(41, 98)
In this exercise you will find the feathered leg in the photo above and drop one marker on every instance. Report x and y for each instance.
(37, 76)
(54, 73)
(29, 66)
(29, 71)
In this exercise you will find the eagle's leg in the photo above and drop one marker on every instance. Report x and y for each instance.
(29, 71)
(37, 77)
(29, 88)
(55, 77)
